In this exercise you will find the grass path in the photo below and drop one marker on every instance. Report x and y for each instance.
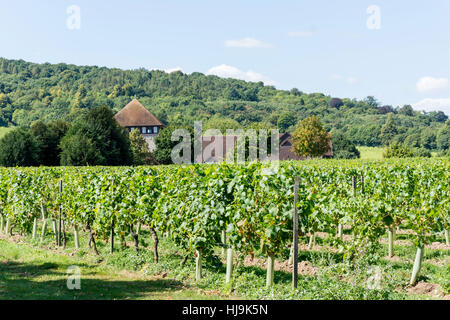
(32, 273)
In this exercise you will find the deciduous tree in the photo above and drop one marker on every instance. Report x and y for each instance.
(310, 139)
(343, 148)
(388, 130)
(140, 150)
(99, 128)
(19, 148)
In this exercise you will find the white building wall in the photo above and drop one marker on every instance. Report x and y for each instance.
(150, 139)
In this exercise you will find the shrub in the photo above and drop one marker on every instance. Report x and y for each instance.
(343, 148)
(422, 152)
(398, 150)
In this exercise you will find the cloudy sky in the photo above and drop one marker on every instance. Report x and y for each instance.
(397, 51)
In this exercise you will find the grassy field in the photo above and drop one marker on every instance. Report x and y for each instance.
(376, 153)
(29, 270)
(371, 153)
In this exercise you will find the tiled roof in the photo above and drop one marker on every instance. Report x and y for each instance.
(134, 114)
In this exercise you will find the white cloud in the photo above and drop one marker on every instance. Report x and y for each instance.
(427, 84)
(226, 71)
(338, 77)
(301, 34)
(246, 43)
(430, 104)
(170, 70)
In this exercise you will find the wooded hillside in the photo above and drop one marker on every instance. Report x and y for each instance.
(30, 92)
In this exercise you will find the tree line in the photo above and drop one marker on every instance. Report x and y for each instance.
(95, 138)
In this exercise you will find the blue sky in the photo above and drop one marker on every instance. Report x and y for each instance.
(313, 45)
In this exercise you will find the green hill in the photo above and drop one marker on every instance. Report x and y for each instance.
(30, 91)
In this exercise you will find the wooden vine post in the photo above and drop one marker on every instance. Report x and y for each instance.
(295, 237)
(224, 241)
(59, 218)
(44, 224)
(355, 191)
(111, 232)
(362, 184)
(64, 234)
(270, 271)
(112, 236)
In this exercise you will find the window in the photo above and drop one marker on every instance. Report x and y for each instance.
(143, 130)
(155, 129)
(149, 130)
